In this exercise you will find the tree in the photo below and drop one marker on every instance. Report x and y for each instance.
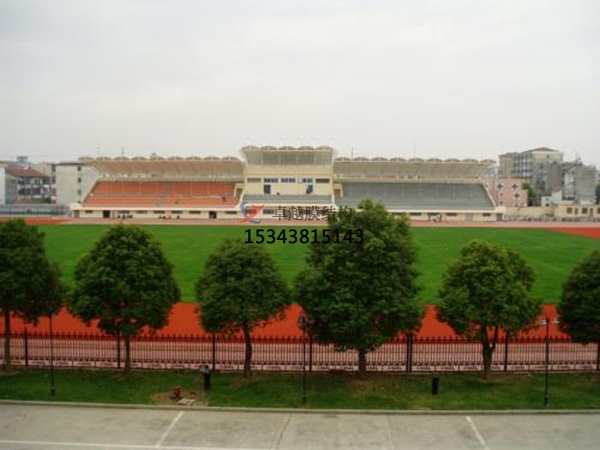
(485, 290)
(532, 195)
(598, 194)
(30, 285)
(360, 293)
(240, 289)
(126, 283)
(579, 306)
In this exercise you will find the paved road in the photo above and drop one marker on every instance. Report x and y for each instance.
(76, 428)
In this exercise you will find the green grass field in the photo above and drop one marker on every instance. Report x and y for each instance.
(551, 254)
(283, 390)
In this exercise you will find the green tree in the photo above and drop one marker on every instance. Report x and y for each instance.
(126, 283)
(358, 295)
(598, 194)
(579, 306)
(30, 285)
(240, 289)
(485, 290)
(532, 195)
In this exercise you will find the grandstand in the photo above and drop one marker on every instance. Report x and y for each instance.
(285, 177)
(412, 196)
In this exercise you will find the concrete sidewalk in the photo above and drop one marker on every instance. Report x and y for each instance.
(39, 427)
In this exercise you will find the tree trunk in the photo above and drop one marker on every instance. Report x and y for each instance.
(7, 358)
(127, 340)
(362, 362)
(487, 350)
(248, 355)
(487, 360)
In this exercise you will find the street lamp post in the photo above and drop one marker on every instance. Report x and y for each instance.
(52, 380)
(304, 363)
(546, 322)
(302, 323)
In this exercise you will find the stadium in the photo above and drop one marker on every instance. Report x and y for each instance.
(448, 201)
(282, 178)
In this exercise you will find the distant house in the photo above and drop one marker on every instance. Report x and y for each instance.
(33, 186)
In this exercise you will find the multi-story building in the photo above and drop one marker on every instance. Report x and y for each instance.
(8, 187)
(507, 192)
(74, 181)
(576, 181)
(33, 186)
(530, 166)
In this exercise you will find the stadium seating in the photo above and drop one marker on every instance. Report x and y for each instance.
(162, 193)
(289, 199)
(418, 196)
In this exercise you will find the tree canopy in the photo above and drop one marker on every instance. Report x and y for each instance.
(358, 295)
(579, 307)
(487, 289)
(532, 195)
(240, 289)
(30, 285)
(125, 282)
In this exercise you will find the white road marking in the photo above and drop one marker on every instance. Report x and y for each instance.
(44, 444)
(477, 433)
(168, 430)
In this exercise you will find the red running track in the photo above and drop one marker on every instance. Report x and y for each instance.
(184, 321)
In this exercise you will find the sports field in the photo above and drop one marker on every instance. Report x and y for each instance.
(551, 254)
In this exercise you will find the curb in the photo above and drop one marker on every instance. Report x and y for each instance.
(382, 412)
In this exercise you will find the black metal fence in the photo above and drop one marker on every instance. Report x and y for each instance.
(407, 354)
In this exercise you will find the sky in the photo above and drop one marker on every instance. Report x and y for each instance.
(464, 79)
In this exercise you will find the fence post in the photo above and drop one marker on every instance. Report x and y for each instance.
(310, 353)
(118, 349)
(598, 356)
(506, 352)
(26, 344)
(214, 352)
(409, 353)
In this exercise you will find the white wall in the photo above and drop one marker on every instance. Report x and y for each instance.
(74, 182)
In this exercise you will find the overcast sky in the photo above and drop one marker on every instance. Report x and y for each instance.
(386, 78)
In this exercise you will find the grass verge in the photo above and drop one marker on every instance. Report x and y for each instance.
(344, 391)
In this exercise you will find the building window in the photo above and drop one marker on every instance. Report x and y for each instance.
(322, 180)
(569, 210)
(254, 180)
(288, 180)
(273, 180)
